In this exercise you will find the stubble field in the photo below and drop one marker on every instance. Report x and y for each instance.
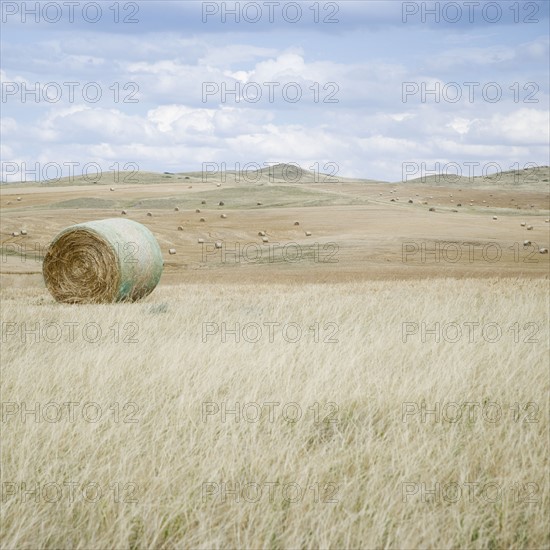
(360, 396)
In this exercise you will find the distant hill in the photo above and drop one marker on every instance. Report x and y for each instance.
(533, 178)
(528, 179)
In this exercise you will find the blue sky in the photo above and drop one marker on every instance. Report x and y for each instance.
(362, 57)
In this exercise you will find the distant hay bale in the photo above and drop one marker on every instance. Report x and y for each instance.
(547, 221)
(495, 218)
(459, 204)
(454, 210)
(410, 201)
(543, 251)
(103, 261)
(526, 243)
(217, 244)
(15, 234)
(23, 231)
(265, 240)
(190, 187)
(180, 227)
(171, 251)
(197, 211)
(218, 184)
(150, 214)
(296, 223)
(308, 233)
(203, 202)
(221, 203)
(261, 233)
(392, 200)
(176, 209)
(258, 204)
(523, 224)
(111, 188)
(432, 209)
(200, 241)
(18, 198)
(202, 220)
(124, 212)
(529, 227)
(223, 216)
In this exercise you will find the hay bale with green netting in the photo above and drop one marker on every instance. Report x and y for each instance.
(103, 261)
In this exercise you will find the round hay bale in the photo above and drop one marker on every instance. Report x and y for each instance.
(176, 209)
(202, 220)
(180, 227)
(261, 233)
(543, 250)
(296, 223)
(523, 224)
(23, 231)
(197, 211)
(111, 188)
(203, 202)
(124, 212)
(171, 251)
(103, 261)
(459, 204)
(218, 244)
(200, 241)
(432, 209)
(529, 228)
(218, 184)
(308, 233)
(15, 234)
(224, 216)
(221, 203)
(526, 243)
(265, 240)
(18, 198)
(495, 218)
(150, 214)
(410, 201)
(258, 204)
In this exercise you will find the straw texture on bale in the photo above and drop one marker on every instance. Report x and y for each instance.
(103, 261)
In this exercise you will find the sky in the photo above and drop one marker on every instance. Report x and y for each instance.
(385, 90)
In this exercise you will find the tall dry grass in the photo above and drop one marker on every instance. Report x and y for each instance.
(161, 477)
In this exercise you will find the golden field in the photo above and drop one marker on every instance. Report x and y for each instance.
(380, 400)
